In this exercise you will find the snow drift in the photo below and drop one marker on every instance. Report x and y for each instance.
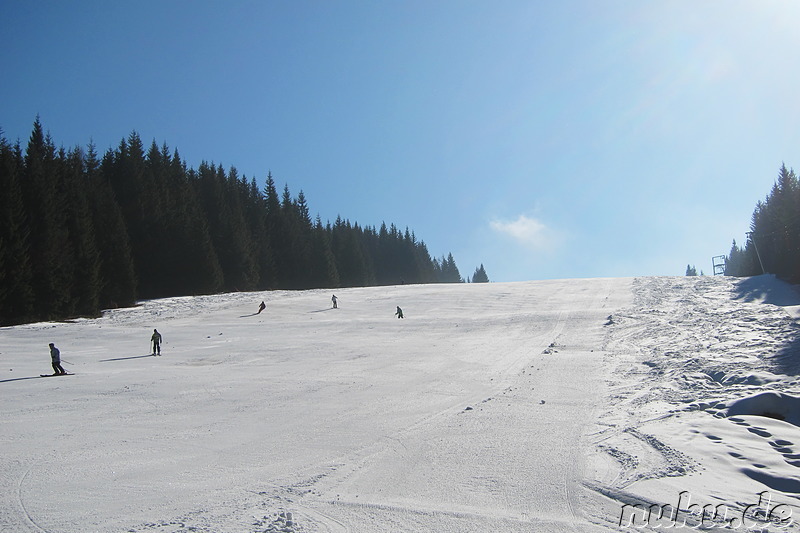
(769, 404)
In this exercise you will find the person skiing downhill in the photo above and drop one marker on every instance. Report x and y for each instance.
(156, 339)
(334, 300)
(399, 312)
(261, 307)
(55, 358)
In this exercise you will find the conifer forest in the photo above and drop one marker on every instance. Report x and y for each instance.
(773, 243)
(81, 232)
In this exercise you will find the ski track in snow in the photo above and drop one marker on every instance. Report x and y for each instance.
(540, 406)
(680, 356)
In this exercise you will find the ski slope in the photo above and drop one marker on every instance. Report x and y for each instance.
(538, 406)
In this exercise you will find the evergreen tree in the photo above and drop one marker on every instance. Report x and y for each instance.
(448, 271)
(86, 281)
(426, 269)
(190, 261)
(773, 244)
(734, 260)
(116, 271)
(295, 241)
(775, 228)
(323, 268)
(53, 267)
(133, 186)
(16, 276)
(480, 275)
(78, 234)
(276, 231)
(230, 237)
(352, 263)
(256, 216)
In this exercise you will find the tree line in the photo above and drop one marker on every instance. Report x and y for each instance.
(773, 243)
(81, 232)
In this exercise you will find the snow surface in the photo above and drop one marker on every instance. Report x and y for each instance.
(540, 406)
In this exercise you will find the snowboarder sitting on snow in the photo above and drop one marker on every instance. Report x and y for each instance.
(333, 299)
(261, 307)
(399, 312)
(156, 338)
(55, 358)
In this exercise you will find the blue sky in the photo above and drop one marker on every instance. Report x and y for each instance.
(542, 139)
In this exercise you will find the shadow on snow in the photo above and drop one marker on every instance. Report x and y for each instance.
(30, 377)
(770, 290)
(126, 358)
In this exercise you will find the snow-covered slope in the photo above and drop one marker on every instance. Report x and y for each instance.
(539, 406)
(702, 369)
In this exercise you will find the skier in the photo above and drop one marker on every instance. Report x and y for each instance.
(156, 339)
(55, 358)
(261, 307)
(399, 312)
(333, 299)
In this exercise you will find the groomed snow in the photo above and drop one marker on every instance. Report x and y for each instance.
(566, 405)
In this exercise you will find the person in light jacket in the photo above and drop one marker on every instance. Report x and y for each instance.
(55, 358)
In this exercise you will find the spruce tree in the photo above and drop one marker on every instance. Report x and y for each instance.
(448, 271)
(255, 214)
(221, 202)
(16, 276)
(323, 268)
(117, 273)
(480, 275)
(80, 234)
(86, 282)
(52, 265)
(276, 232)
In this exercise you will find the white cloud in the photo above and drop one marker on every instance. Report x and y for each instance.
(527, 231)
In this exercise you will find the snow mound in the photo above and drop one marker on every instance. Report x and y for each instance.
(778, 405)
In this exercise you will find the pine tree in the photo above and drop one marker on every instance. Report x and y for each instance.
(133, 186)
(116, 270)
(449, 271)
(16, 276)
(255, 214)
(52, 265)
(480, 275)
(775, 227)
(323, 268)
(220, 198)
(426, 268)
(78, 234)
(295, 241)
(276, 232)
(86, 282)
(352, 263)
(189, 260)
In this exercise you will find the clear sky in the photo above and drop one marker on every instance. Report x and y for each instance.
(544, 139)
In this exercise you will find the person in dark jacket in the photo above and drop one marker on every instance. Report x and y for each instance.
(399, 312)
(156, 340)
(261, 307)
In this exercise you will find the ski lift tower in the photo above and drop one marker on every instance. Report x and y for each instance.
(719, 262)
